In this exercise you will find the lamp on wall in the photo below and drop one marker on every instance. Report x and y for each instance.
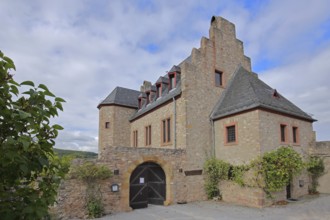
(115, 187)
(301, 183)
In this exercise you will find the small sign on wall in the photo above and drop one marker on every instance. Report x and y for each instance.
(114, 187)
(141, 180)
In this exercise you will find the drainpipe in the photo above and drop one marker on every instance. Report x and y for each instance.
(174, 110)
(213, 138)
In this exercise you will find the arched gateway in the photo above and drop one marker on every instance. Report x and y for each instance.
(147, 186)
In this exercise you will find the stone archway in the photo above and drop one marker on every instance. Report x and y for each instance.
(147, 186)
(126, 179)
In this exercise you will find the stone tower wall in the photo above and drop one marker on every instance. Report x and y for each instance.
(118, 132)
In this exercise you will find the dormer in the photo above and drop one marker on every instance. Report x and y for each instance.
(161, 86)
(150, 94)
(153, 93)
(142, 99)
(174, 76)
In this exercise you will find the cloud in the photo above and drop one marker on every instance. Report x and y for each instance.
(307, 84)
(82, 49)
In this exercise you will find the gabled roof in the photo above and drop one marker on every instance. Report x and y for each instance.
(245, 91)
(122, 96)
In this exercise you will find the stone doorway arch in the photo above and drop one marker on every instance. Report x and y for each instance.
(147, 185)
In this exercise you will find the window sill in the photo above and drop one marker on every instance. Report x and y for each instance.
(231, 143)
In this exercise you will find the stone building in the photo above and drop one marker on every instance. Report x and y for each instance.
(157, 139)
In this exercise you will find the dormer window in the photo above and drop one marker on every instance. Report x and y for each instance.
(158, 90)
(275, 94)
(172, 78)
(140, 103)
(218, 78)
(148, 97)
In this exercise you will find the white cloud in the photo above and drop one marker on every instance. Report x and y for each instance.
(307, 84)
(82, 49)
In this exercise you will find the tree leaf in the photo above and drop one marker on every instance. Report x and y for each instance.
(23, 114)
(42, 86)
(27, 83)
(58, 127)
(58, 99)
(48, 93)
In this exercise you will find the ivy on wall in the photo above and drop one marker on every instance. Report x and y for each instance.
(216, 170)
(316, 169)
(271, 172)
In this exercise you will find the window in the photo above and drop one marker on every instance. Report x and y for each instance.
(140, 103)
(172, 80)
(135, 138)
(218, 78)
(231, 134)
(166, 131)
(107, 124)
(148, 97)
(283, 133)
(158, 90)
(148, 135)
(295, 138)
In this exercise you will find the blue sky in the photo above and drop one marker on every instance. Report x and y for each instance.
(82, 50)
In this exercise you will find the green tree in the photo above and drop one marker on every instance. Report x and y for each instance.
(30, 173)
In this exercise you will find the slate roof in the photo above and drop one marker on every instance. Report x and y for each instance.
(122, 96)
(245, 91)
(166, 96)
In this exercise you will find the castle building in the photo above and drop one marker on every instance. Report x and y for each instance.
(211, 104)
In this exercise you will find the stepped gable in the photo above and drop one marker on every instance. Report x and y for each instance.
(246, 91)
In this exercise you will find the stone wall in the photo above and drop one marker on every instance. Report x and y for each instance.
(118, 132)
(258, 131)
(322, 150)
(154, 118)
(179, 187)
(270, 139)
(247, 146)
(247, 196)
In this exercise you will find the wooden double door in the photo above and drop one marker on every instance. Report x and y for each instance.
(147, 186)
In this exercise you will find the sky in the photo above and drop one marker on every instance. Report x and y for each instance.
(83, 49)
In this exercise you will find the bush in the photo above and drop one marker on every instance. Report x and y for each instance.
(315, 167)
(94, 208)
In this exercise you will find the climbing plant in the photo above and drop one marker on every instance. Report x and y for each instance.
(236, 174)
(315, 167)
(215, 170)
(278, 167)
(272, 171)
(91, 173)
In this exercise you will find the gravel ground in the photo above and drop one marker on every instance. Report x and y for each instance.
(307, 208)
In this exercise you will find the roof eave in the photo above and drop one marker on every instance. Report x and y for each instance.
(116, 104)
(261, 107)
